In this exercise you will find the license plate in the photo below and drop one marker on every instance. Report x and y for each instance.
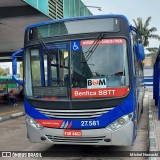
(72, 133)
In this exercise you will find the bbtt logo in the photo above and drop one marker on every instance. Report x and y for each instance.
(96, 83)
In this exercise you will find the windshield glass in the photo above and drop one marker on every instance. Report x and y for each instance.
(77, 69)
(75, 27)
(97, 65)
(49, 65)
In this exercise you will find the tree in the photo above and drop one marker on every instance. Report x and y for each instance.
(3, 72)
(145, 33)
(21, 70)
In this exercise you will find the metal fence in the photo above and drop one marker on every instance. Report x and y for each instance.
(148, 76)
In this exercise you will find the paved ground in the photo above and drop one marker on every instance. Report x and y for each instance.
(154, 126)
(8, 111)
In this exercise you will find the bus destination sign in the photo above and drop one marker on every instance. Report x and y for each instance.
(99, 92)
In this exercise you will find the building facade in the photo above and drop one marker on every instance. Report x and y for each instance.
(148, 61)
(75, 8)
(57, 9)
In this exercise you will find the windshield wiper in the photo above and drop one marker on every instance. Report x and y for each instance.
(45, 46)
(46, 49)
(118, 73)
(92, 48)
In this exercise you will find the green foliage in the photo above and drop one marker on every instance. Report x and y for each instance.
(3, 72)
(145, 33)
(21, 70)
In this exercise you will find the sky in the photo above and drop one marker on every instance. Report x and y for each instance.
(131, 9)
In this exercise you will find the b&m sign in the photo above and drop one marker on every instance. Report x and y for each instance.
(96, 83)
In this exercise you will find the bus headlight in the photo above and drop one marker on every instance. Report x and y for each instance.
(119, 123)
(33, 123)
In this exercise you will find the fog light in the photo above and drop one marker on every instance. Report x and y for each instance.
(107, 140)
(43, 138)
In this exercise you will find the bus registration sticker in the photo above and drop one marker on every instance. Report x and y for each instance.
(72, 133)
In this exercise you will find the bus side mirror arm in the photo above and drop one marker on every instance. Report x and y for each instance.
(135, 30)
(14, 66)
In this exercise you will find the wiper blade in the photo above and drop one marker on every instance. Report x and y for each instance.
(93, 47)
(44, 46)
(46, 49)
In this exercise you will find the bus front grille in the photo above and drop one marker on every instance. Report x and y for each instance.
(74, 114)
(75, 139)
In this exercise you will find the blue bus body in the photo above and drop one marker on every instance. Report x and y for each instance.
(74, 93)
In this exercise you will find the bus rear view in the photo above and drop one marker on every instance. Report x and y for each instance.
(80, 82)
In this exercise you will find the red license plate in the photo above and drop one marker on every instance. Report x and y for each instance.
(72, 133)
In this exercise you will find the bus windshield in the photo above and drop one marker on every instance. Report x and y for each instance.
(105, 60)
(60, 70)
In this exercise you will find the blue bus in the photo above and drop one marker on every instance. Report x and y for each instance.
(83, 81)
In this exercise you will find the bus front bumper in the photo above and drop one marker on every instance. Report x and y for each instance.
(119, 137)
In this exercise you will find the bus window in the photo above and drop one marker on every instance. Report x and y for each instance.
(59, 67)
(107, 61)
(35, 66)
(56, 65)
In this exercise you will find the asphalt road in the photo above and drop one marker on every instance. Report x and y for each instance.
(14, 138)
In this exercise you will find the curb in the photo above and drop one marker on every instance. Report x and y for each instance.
(14, 115)
(151, 127)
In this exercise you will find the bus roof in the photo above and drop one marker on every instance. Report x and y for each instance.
(78, 18)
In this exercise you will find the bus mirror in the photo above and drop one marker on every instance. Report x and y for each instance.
(14, 66)
(140, 52)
